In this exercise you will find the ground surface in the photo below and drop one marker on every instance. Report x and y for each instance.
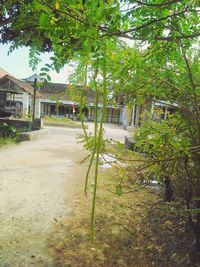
(40, 184)
(45, 217)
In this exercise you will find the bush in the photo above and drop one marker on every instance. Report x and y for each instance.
(7, 131)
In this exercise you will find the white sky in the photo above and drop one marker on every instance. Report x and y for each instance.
(17, 64)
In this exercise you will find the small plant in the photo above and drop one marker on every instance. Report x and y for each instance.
(58, 120)
(8, 131)
(26, 117)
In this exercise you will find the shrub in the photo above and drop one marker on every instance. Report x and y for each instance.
(7, 131)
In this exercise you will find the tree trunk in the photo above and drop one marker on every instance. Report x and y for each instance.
(168, 189)
(197, 233)
(197, 226)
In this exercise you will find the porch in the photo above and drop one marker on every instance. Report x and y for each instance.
(66, 110)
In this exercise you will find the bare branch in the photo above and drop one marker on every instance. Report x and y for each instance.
(151, 22)
(181, 36)
(178, 37)
(147, 161)
(158, 5)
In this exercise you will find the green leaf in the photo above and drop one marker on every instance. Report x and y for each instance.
(44, 20)
(44, 69)
(119, 190)
(43, 74)
(48, 77)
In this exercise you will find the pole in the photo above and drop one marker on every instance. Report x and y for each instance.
(34, 98)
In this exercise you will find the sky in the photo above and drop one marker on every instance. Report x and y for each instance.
(17, 64)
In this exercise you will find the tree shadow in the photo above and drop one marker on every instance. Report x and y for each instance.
(171, 237)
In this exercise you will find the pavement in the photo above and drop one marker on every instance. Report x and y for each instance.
(39, 180)
(32, 135)
(114, 131)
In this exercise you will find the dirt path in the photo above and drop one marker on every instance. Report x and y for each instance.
(37, 179)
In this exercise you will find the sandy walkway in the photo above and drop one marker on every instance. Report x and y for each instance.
(38, 181)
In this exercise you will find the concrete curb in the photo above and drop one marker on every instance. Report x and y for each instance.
(129, 142)
(33, 135)
(75, 126)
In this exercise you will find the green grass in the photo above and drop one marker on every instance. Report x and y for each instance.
(58, 120)
(7, 141)
(51, 119)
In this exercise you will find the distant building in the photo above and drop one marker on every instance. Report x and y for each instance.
(52, 99)
(158, 110)
(15, 89)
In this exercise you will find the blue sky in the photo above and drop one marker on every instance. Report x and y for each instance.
(17, 64)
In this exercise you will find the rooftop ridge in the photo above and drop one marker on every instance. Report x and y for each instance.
(3, 72)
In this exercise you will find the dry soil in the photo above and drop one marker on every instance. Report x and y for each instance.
(39, 181)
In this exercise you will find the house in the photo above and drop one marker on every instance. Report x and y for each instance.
(17, 90)
(52, 99)
(159, 109)
(3, 73)
(56, 100)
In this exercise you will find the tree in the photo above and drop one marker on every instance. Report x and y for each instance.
(138, 20)
(172, 146)
(19, 24)
(90, 32)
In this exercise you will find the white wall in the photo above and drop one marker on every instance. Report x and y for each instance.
(25, 101)
(37, 107)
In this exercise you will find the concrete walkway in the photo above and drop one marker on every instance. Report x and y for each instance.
(38, 182)
(113, 131)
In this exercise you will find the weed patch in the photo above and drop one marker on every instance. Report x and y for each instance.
(136, 229)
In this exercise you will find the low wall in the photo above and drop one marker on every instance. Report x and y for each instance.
(65, 125)
(33, 135)
(22, 125)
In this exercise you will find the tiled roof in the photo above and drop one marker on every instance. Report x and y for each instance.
(24, 86)
(57, 91)
(60, 91)
(3, 73)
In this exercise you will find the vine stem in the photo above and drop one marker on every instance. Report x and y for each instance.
(98, 148)
(95, 134)
(81, 103)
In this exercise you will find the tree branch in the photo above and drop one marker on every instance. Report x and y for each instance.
(191, 78)
(178, 37)
(5, 22)
(158, 5)
(153, 21)
(67, 13)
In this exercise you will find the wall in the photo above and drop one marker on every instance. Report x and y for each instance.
(25, 100)
(22, 125)
(2, 99)
(37, 108)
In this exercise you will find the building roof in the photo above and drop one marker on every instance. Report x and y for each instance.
(164, 103)
(32, 78)
(57, 90)
(3, 73)
(21, 86)
(63, 92)
(52, 91)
